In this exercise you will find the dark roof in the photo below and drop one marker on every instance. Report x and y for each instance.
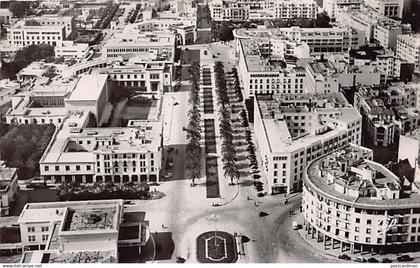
(10, 235)
(403, 170)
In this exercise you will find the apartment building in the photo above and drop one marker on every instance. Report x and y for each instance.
(5, 15)
(387, 111)
(8, 188)
(331, 6)
(408, 48)
(51, 30)
(87, 155)
(357, 204)
(293, 130)
(129, 45)
(248, 10)
(79, 231)
(71, 50)
(377, 27)
(387, 8)
(41, 103)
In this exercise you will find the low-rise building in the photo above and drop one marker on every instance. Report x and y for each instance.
(41, 103)
(79, 231)
(354, 202)
(293, 130)
(7, 90)
(69, 49)
(87, 155)
(408, 48)
(387, 8)
(129, 45)
(8, 188)
(331, 6)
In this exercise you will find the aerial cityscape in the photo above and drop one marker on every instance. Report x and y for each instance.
(209, 131)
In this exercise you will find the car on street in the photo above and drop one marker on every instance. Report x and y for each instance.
(168, 175)
(344, 257)
(373, 260)
(403, 258)
(262, 214)
(360, 259)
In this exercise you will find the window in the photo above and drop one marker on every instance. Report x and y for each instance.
(44, 237)
(31, 238)
(357, 220)
(414, 221)
(77, 167)
(369, 222)
(67, 168)
(88, 167)
(357, 229)
(413, 229)
(367, 239)
(47, 168)
(31, 229)
(57, 168)
(44, 229)
(356, 238)
(368, 230)
(379, 240)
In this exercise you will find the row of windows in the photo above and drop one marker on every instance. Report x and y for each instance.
(31, 229)
(31, 238)
(67, 168)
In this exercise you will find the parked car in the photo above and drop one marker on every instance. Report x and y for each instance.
(360, 259)
(373, 260)
(168, 175)
(386, 260)
(404, 258)
(344, 257)
(262, 214)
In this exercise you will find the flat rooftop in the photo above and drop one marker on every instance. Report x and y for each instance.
(89, 87)
(6, 173)
(85, 219)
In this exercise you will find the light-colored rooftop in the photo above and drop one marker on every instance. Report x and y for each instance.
(6, 173)
(89, 87)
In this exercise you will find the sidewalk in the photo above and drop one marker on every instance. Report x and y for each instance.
(319, 246)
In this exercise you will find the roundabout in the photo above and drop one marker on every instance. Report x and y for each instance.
(216, 247)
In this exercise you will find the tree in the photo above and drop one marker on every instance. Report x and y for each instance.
(18, 8)
(225, 32)
(322, 20)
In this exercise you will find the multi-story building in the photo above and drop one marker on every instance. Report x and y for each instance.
(42, 30)
(387, 111)
(7, 90)
(69, 49)
(357, 204)
(246, 10)
(408, 48)
(93, 100)
(377, 27)
(87, 155)
(79, 231)
(409, 148)
(331, 6)
(41, 103)
(388, 8)
(8, 188)
(292, 130)
(129, 45)
(148, 72)
(5, 15)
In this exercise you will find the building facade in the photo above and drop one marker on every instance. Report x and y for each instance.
(293, 130)
(8, 188)
(408, 48)
(355, 203)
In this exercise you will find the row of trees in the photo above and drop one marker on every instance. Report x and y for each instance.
(77, 192)
(229, 155)
(24, 57)
(193, 149)
(22, 146)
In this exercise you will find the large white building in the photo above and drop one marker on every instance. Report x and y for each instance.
(358, 205)
(129, 45)
(119, 154)
(408, 48)
(79, 231)
(377, 27)
(331, 6)
(293, 130)
(51, 30)
(248, 10)
(388, 8)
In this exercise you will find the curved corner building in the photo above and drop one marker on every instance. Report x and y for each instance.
(354, 204)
